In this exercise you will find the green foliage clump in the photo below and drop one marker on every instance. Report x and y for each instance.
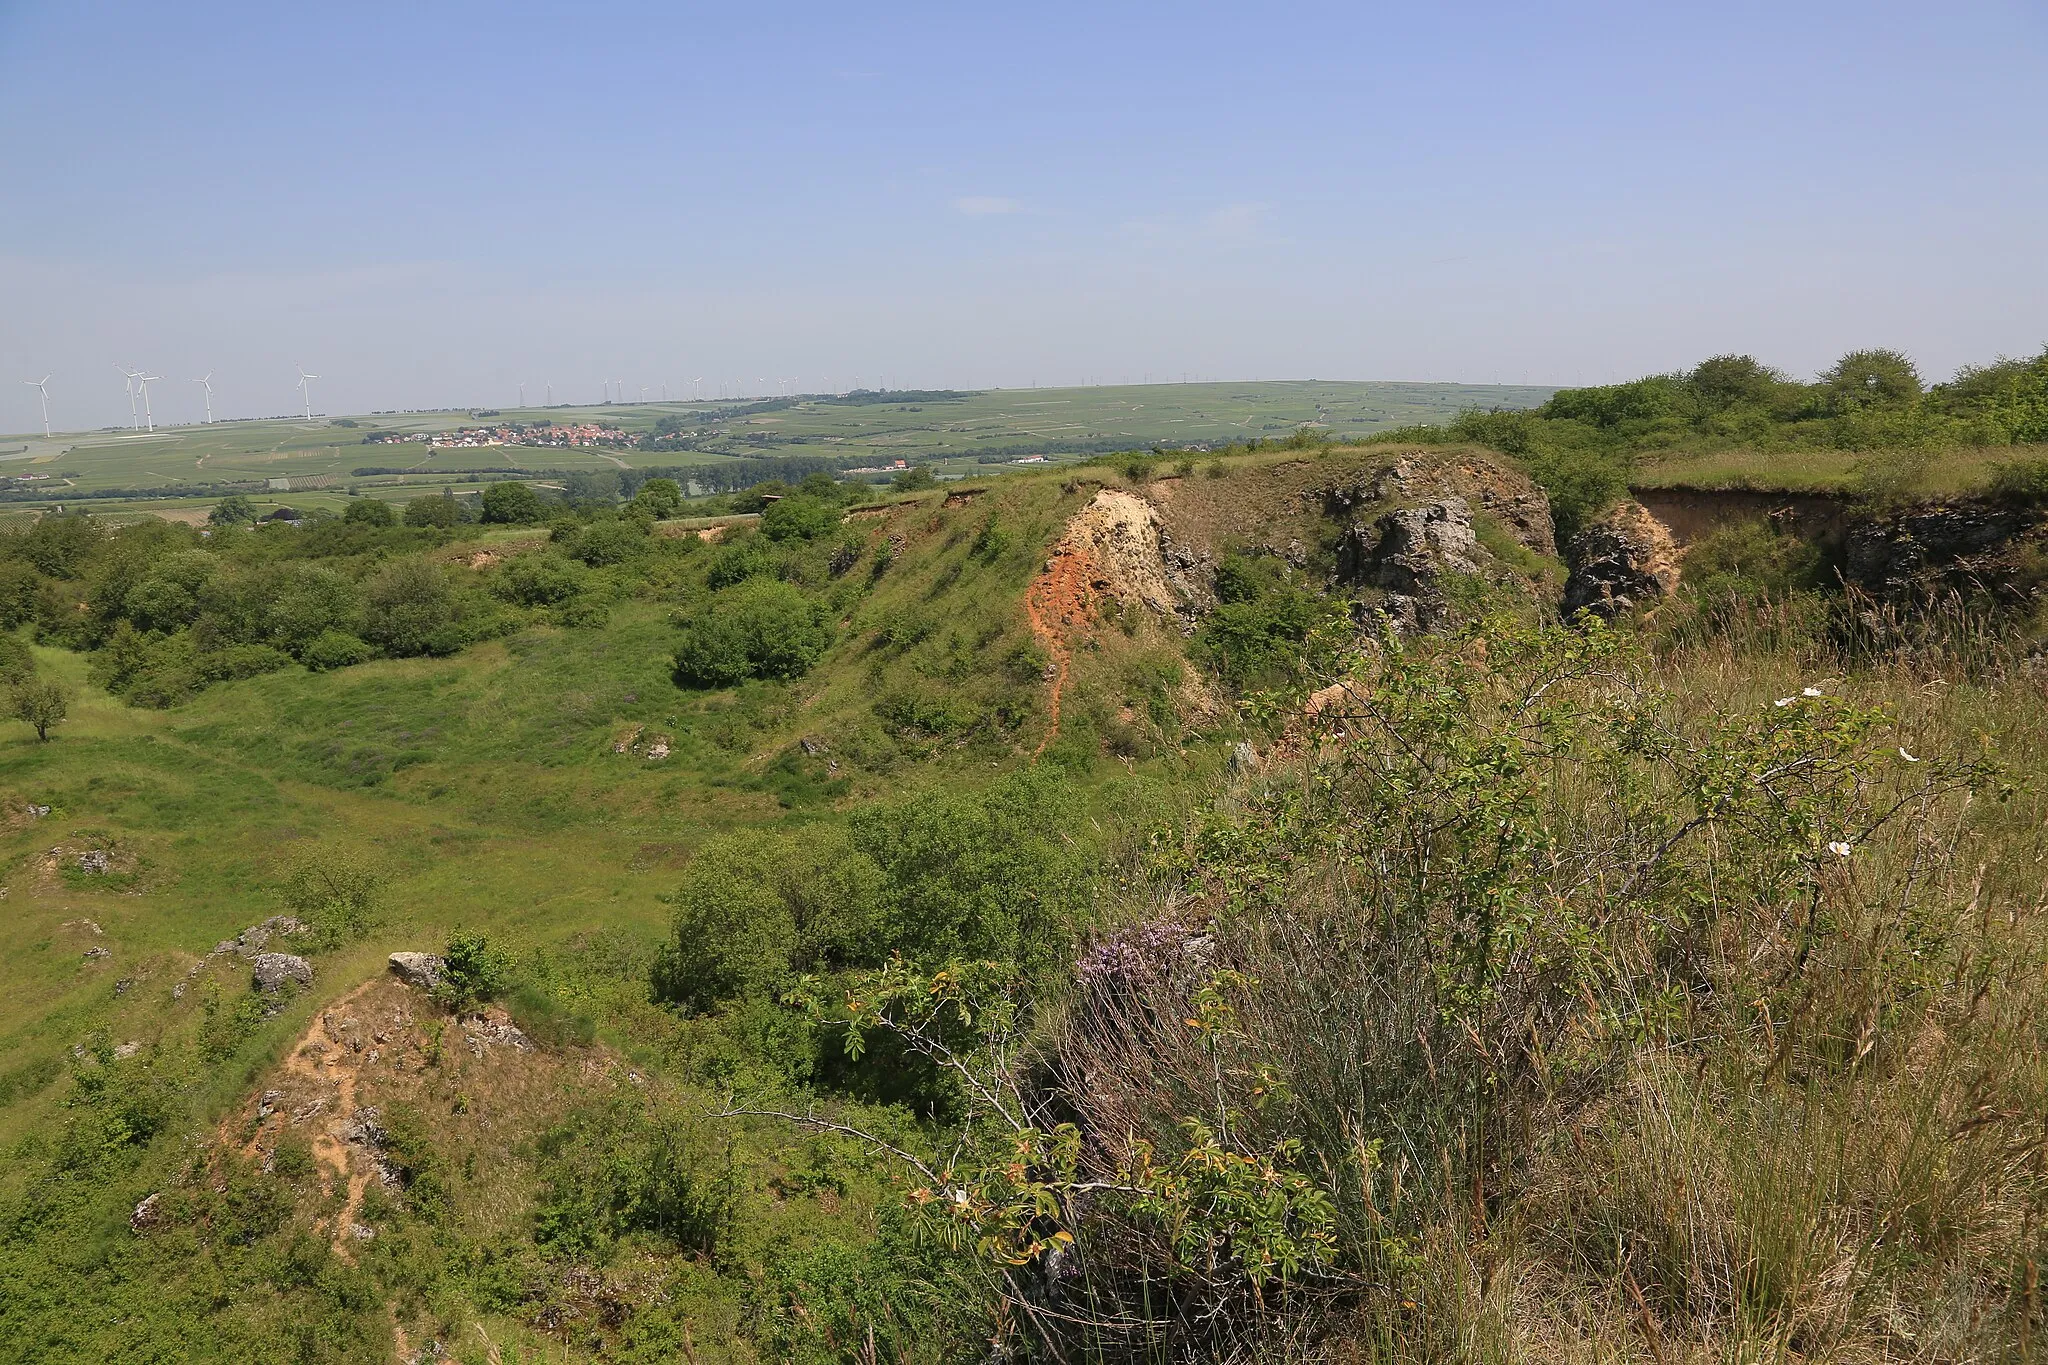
(412, 609)
(370, 512)
(234, 510)
(1750, 562)
(1267, 629)
(40, 702)
(660, 499)
(336, 891)
(799, 517)
(473, 971)
(608, 541)
(759, 628)
(512, 503)
(539, 580)
(441, 511)
(611, 1170)
(914, 479)
(333, 649)
(995, 873)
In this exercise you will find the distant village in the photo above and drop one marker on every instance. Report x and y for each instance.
(511, 434)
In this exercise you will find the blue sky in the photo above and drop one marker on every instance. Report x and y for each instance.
(428, 203)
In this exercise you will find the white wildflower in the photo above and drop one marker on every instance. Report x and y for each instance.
(1783, 702)
(1811, 692)
(1908, 757)
(1839, 849)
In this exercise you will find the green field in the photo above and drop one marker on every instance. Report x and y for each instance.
(317, 457)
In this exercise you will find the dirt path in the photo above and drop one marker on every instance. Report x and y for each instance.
(320, 1080)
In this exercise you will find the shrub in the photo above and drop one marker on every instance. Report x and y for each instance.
(539, 580)
(1866, 379)
(761, 628)
(2023, 483)
(608, 541)
(412, 609)
(472, 971)
(915, 479)
(299, 603)
(734, 934)
(1266, 629)
(798, 518)
(17, 664)
(738, 559)
(335, 649)
(335, 890)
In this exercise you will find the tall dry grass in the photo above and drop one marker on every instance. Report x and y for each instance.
(1628, 1006)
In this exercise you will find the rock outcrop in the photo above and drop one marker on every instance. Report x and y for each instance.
(1619, 563)
(272, 970)
(1965, 546)
(1409, 552)
(423, 970)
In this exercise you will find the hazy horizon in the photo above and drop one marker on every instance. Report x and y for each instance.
(963, 199)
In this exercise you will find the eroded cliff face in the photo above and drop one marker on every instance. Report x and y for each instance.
(1975, 547)
(1625, 560)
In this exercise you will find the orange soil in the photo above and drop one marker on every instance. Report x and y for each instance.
(1060, 602)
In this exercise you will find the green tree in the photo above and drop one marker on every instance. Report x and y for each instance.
(431, 510)
(370, 512)
(915, 479)
(1870, 379)
(512, 503)
(236, 510)
(660, 498)
(1726, 381)
(41, 703)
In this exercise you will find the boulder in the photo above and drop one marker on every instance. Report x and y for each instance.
(1619, 563)
(147, 1214)
(272, 970)
(418, 969)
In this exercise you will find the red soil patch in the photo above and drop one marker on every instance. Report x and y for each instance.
(1060, 602)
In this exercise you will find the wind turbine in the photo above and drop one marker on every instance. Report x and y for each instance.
(207, 384)
(551, 393)
(305, 386)
(134, 420)
(41, 387)
(522, 393)
(697, 388)
(643, 393)
(143, 381)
